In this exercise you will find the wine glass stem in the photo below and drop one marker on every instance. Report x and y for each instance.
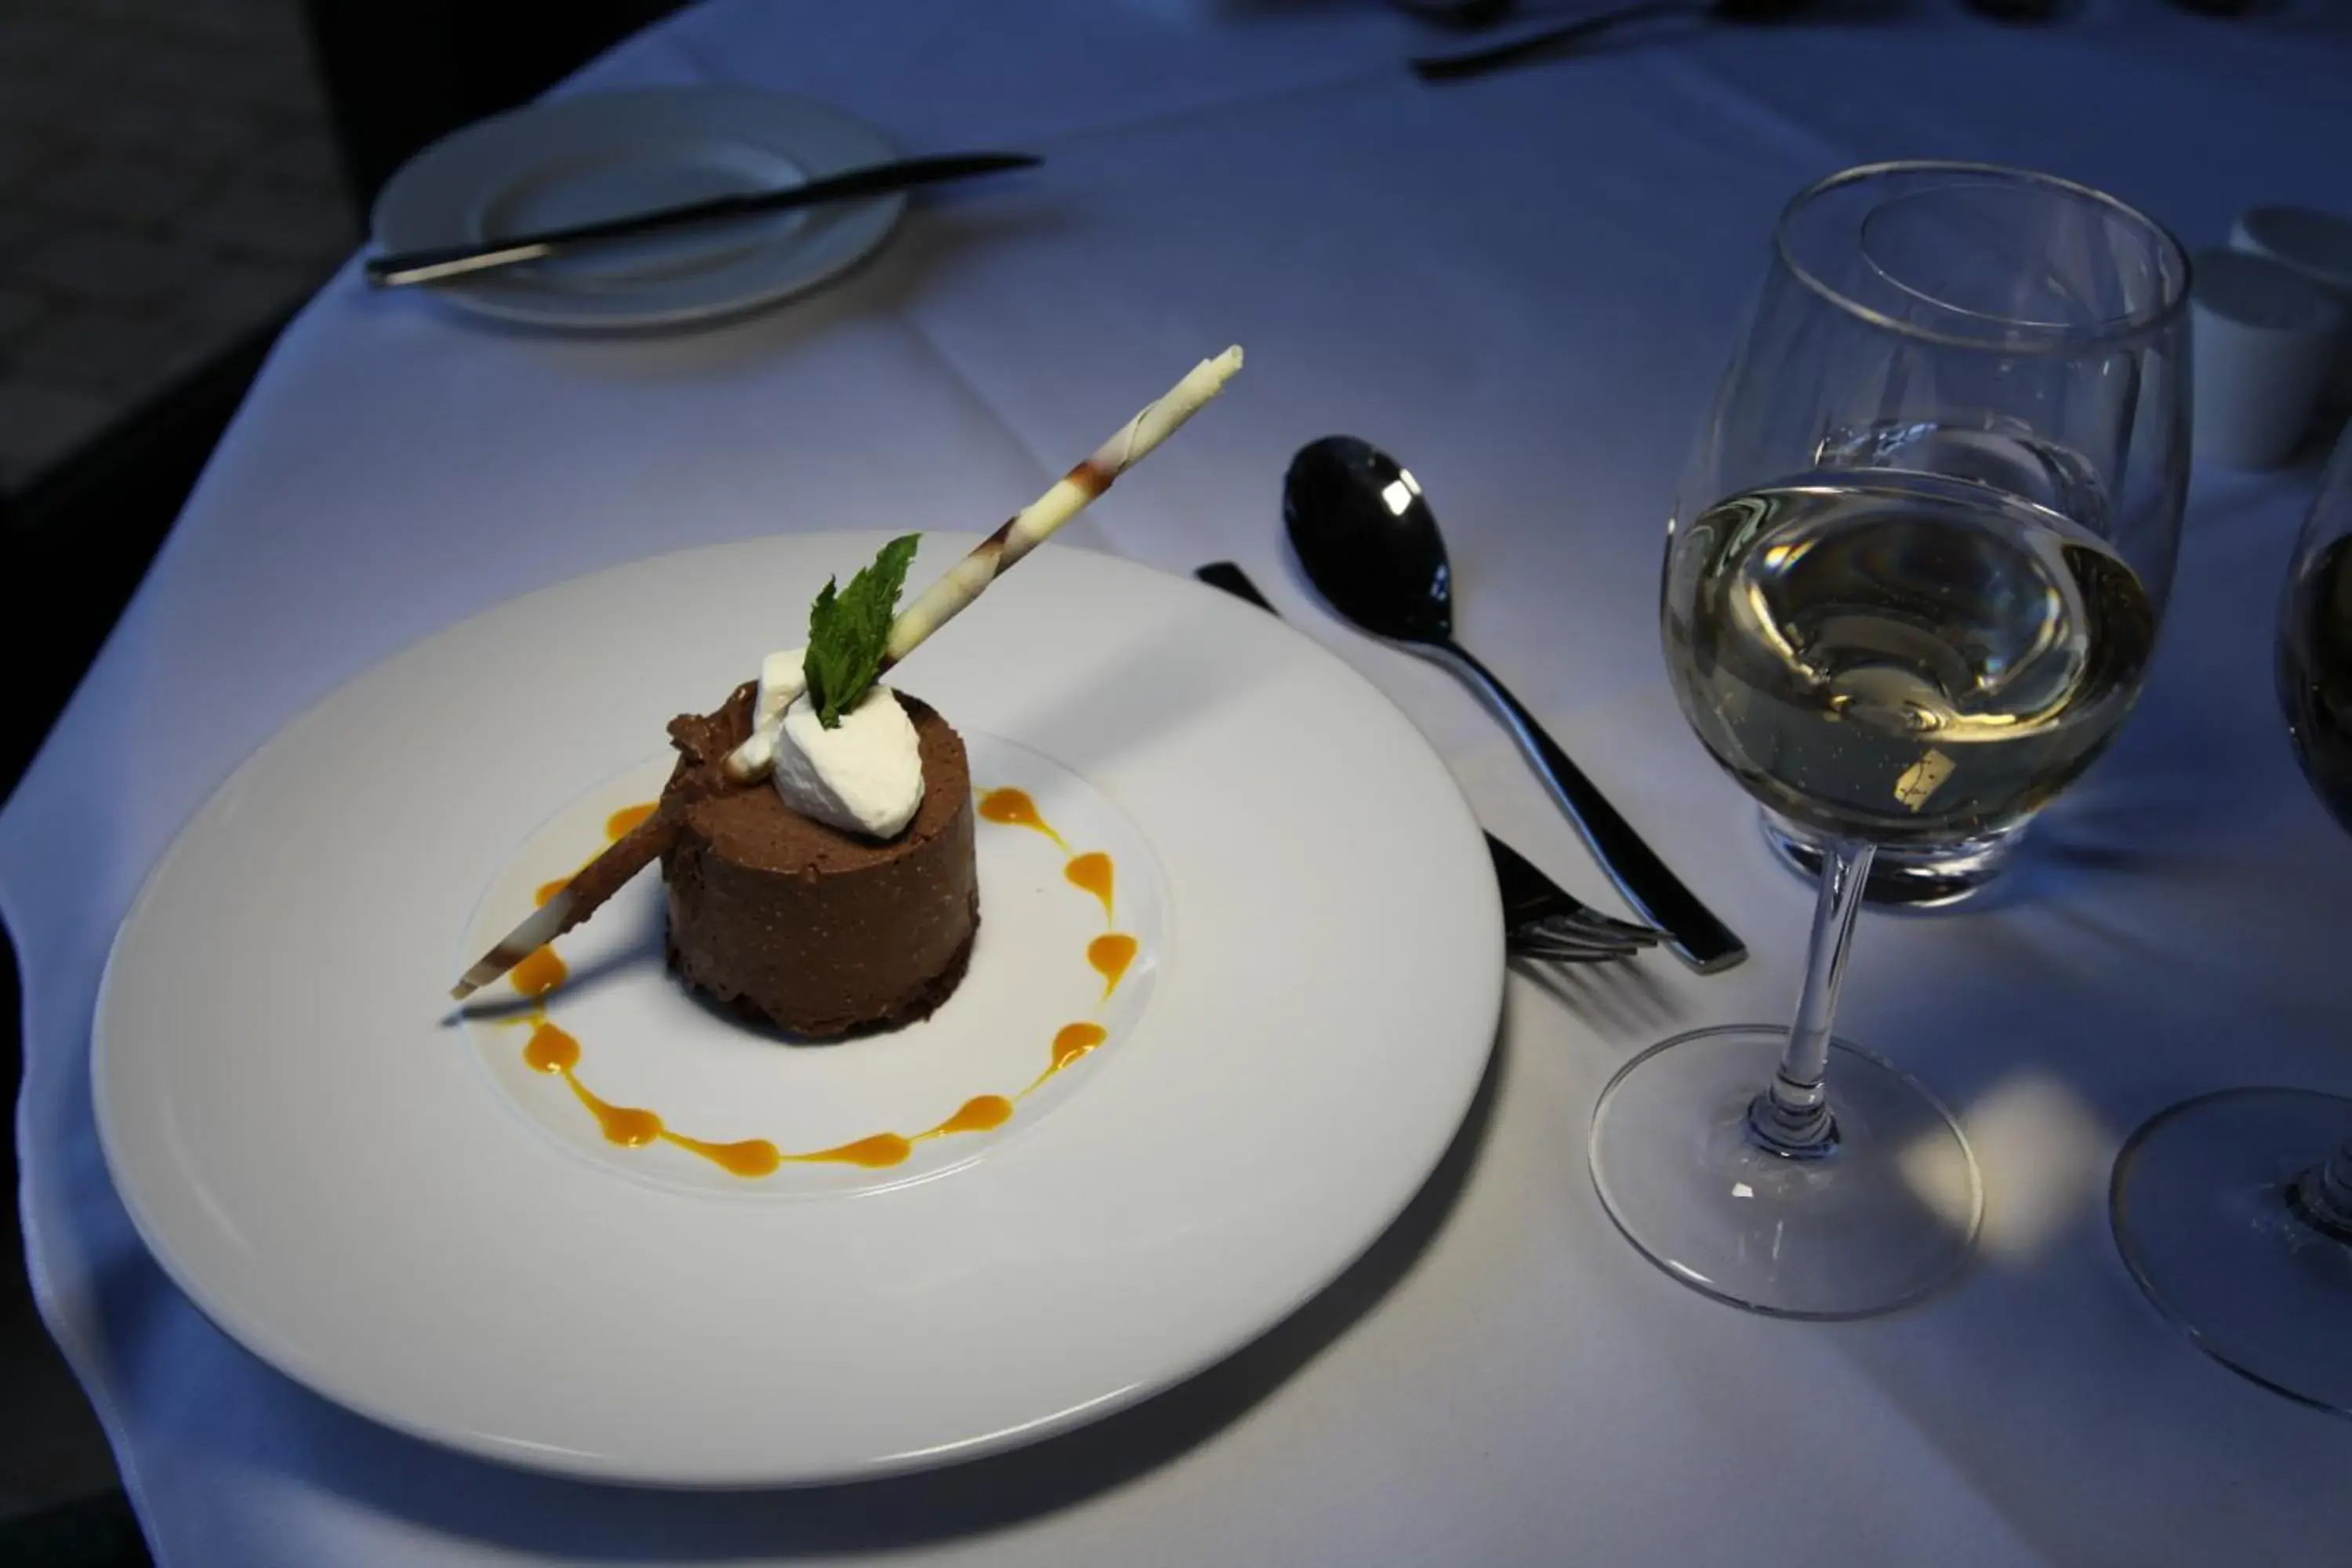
(2325, 1194)
(1791, 1116)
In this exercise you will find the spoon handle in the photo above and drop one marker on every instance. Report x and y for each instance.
(1693, 934)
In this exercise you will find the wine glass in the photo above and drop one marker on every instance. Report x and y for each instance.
(1913, 580)
(2234, 1210)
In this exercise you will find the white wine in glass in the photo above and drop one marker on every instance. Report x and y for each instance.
(1903, 658)
(1920, 870)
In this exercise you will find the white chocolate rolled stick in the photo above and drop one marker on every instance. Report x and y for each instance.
(541, 927)
(579, 898)
(1026, 529)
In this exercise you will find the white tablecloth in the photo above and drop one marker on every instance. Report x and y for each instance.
(1526, 285)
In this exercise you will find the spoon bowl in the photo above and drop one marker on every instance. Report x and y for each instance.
(1368, 543)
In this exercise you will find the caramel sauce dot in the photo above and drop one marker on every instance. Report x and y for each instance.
(977, 1114)
(623, 1124)
(882, 1149)
(1092, 871)
(552, 1051)
(1110, 954)
(751, 1157)
(539, 973)
(1015, 809)
(1075, 1041)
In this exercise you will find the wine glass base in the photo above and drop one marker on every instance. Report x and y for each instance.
(1901, 877)
(2201, 1209)
(1884, 1219)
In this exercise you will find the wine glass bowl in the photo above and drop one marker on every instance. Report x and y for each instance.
(1913, 580)
(2039, 270)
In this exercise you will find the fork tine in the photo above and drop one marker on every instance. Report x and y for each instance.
(1586, 918)
(1556, 938)
(1585, 925)
(1524, 946)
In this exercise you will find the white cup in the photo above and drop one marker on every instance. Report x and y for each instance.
(2266, 340)
(2319, 245)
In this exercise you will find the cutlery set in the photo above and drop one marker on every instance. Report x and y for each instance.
(1365, 536)
(1351, 554)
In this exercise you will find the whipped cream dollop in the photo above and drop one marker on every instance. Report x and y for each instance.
(864, 776)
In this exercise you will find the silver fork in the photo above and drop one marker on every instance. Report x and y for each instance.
(1541, 917)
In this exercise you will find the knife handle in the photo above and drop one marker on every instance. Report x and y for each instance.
(1693, 932)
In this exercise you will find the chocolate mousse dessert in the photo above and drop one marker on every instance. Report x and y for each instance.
(797, 923)
(816, 834)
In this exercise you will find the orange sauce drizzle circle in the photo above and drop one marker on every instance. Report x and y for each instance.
(554, 1051)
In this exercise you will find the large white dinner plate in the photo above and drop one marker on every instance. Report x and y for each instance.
(608, 154)
(384, 1201)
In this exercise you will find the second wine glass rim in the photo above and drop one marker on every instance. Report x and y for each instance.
(2131, 324)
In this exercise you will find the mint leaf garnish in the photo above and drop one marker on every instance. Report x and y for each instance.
(848, 631)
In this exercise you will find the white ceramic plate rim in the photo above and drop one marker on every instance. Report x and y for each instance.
(1183, 1253)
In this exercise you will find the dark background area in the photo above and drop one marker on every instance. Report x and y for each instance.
(82, 530)
(80, 527)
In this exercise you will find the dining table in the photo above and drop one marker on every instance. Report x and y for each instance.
(1524, 284)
